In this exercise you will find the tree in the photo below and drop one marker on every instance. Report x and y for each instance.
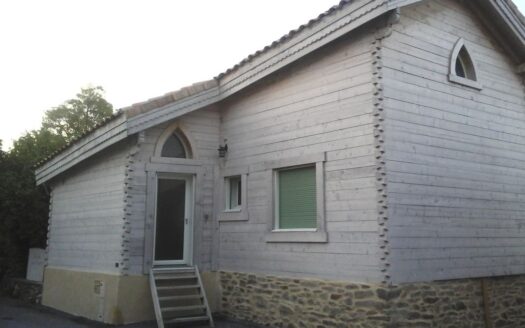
(23, 214)
(24, 207)
(36, 145)
(76, 116)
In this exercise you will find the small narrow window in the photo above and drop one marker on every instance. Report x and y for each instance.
(296, 198)
(463, 67)
(233, 193)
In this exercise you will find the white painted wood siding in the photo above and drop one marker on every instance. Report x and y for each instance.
(202, 129)
(321, 104)
(87, 210)
(455, 155)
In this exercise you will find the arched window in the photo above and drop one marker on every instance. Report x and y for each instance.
(462, 66)
(176, 146)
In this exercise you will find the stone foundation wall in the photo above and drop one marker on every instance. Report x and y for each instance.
(288, 302)
(507, 301)
(444, 304)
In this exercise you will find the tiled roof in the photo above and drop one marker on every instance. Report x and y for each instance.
(168, 98)
(157, 102)
(286, 37)
(72, 142)
(137, 109)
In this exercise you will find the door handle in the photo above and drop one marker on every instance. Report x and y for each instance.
(186, 220)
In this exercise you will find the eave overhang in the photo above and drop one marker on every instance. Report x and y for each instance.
(505, 21)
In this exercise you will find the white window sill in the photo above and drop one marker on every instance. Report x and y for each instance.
(233, 215)
(294, 230)
(297, 236)
(466, 82)
(233, 210)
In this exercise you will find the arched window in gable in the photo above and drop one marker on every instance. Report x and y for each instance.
(463, 67)
(176, 146)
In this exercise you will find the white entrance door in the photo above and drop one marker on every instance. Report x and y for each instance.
(173, 220)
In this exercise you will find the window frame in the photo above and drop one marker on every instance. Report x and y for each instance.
(276, 194)
(153, 171)
(181, 139)
(240, 214)
(228, 193)
(306, 235)
(177, 129)
(454, 57)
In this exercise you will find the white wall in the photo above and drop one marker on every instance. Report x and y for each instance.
(87, 210)
(202, 129)
(455, 155)
(321, 104)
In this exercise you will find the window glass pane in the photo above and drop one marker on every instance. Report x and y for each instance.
(460, 71)
(239, 202)
(173, 147)
(169, 229)
(234, 193)
(465, 66)
(297, 198)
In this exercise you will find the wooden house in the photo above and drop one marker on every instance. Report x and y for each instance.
(365, 170)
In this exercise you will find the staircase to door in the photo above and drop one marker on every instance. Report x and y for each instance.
(178, 297)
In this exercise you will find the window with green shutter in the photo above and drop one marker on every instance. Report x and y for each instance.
(296, 198)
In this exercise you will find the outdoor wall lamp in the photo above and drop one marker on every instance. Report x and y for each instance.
(223, 150)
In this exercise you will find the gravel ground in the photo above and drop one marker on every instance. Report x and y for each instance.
(15, 314)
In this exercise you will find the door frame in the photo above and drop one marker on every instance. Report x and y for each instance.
(189, 210)
(191, 167)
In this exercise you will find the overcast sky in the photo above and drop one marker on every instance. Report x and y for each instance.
(135, 49)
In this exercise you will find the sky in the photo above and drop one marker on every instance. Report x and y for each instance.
(134, 49)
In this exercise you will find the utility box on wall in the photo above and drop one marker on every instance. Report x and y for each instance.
(35, 264)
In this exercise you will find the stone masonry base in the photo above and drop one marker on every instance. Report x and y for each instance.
(289, 302)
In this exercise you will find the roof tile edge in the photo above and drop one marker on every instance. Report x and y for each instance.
(284, 38)
(170, 97)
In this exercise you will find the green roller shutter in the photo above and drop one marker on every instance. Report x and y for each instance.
(297, 198)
